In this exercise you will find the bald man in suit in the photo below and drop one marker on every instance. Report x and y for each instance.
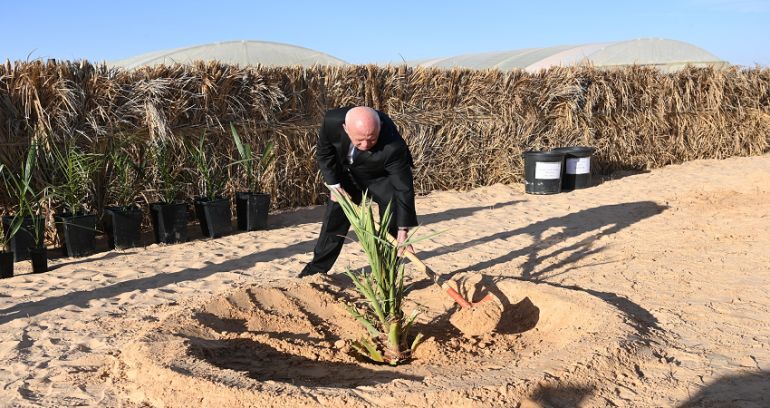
(360, 149)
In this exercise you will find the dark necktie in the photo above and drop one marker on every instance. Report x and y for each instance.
(355, 153)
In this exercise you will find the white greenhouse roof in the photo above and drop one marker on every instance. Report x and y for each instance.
(668, 55)
(234, 52)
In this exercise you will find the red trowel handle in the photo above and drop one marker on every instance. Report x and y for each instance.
(434, 276)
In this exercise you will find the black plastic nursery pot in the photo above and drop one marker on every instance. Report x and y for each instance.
(39, 257)
(215, 216)
(169, 222)
(252, 209)
(124, 227)
(576, 172)
(77, 233)
(542, 172)
(6, 264)
(25, 236)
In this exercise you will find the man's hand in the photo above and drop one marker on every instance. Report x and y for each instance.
(341, 192)
(402, 236)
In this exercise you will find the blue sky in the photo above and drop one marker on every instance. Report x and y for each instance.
(737, 31)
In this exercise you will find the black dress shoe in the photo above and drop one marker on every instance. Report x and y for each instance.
(307, 271)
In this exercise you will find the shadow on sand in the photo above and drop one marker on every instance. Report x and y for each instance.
(271, 364)
(749, 389)
(596, 222)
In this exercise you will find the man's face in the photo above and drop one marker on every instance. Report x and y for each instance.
(362, 139)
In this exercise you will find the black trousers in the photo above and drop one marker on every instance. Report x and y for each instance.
(336, 225)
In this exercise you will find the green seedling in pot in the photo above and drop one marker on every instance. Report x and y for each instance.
(168, 175)
(19, 185)
(212, 181)
(71, 178)
(254, 172)
(6, 235)
(127, 176)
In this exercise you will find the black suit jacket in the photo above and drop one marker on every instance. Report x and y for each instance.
(385, 169)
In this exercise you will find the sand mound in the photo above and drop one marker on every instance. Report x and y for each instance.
(477, 320)
(288, 345)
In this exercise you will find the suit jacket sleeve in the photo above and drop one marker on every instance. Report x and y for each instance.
(328, 163)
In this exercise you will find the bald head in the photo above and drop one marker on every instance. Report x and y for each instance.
(362, 125)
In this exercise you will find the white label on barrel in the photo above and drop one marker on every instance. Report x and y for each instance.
(547, 170)
(580, 165)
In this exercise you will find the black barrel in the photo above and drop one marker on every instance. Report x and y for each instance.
(542, 172)
(577, 167)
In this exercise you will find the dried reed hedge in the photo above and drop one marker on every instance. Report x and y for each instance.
(466, 128)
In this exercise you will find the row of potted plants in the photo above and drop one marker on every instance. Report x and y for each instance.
(68, 177)
(28, 221)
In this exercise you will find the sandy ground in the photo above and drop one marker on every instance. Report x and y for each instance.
(648, 289)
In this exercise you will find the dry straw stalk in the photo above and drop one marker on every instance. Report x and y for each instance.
(466, 128)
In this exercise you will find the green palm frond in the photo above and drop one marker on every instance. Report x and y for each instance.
(212, 178)
(382, 285)
(253, 173)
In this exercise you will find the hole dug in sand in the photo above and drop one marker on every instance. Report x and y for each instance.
(288, 345)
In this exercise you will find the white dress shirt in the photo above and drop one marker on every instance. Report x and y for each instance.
(350, 160)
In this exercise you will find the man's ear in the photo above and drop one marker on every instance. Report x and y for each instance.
(345, 127)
